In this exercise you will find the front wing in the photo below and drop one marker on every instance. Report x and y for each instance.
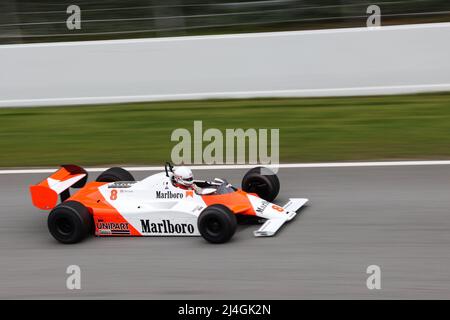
(274, 222)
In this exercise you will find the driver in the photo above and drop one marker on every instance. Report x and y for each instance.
(184, 179)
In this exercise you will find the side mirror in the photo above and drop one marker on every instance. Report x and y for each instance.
(168, 167)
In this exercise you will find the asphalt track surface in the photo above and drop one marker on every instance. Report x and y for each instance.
(395, 217)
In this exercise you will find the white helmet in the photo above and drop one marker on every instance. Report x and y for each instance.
(183, 176)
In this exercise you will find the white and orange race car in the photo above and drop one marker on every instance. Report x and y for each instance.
(117, 205)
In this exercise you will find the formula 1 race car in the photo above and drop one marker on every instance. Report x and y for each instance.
(117, 205)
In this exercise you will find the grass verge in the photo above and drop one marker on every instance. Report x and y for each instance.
(316, 129)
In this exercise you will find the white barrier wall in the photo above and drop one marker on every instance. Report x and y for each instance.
(398, 59)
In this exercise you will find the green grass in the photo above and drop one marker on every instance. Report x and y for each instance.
(319, 129)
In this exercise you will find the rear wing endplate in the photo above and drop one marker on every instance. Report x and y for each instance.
(44, 195)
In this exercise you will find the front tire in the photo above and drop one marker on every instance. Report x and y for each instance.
(115, 174)
(217, 224)
(70, 222)
(266, 186)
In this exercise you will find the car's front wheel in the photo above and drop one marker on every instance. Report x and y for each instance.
(263, 182)
(217, 224)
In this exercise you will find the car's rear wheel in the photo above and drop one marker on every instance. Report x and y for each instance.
(70, 222)
(263, 182)
(217, 224)
(115, 174)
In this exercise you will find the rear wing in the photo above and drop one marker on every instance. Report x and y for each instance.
(44, 195)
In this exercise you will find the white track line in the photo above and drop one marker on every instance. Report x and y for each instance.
(249, 166)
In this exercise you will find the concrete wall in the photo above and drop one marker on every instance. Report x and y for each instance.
(400, 59)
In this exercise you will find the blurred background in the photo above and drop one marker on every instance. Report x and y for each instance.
(27, 21)
(313, 129)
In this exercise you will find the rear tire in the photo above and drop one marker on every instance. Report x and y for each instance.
(266, 187)
(70, 222)
(115, 174)
(217, 224)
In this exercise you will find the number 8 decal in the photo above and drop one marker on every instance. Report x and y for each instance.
(113, 194)
(278, 208)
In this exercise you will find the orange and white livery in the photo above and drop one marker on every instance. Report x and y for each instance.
(117, 205)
